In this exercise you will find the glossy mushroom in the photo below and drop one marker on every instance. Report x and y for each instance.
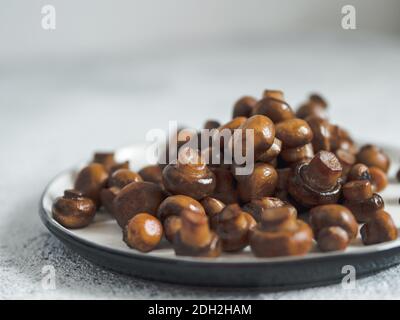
(190, 176)
(232, 225)
(361, 200)
(137, 197)
(174, 206)
(280, 234)
(90, 180)
(195, 238)
(143, 232)
(317, 182)
(116, 182)
(73, 210)
(372, 156)
(380, 228)
(151, 173)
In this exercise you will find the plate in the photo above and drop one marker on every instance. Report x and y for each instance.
(101, 243)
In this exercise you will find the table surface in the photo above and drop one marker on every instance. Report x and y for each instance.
(56, 112)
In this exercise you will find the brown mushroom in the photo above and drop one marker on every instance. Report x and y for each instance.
(232, 225)
(317, 182)
(280, 234)
(333, 215)
(212, 207)
(346, 159)
(119, 179)
(152, 173)
(294, 133)
(272, 153)
(73, 210)
(275, 109)
(359, 171)
(340, 139)
(108, 161)
(257, 206)
(190, 176)
(262, 136)
(260, 183)
(276, 94)
(298, 154)
(225, 188)
(321, 133)
(244, 107)
(143, 232)
(332, 239)
(372, 156)
(310, 108)
(90, 180)
(137, 197)
(211, 124)
(380, 228)
(379, 179)
(172, 225)
(195, 238)
(174, 205)
(361, 201)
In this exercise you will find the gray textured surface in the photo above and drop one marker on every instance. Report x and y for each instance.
(55, 113)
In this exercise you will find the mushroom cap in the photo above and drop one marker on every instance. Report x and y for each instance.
(137, 197)
(174, 205)
(333, 215)
(297, 241)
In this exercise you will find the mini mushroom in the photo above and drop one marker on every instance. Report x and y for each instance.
(333, 215)
(280, 234)
(380, 228)
(260, 183)
(143, 232)
(294, 133)
(332, 239)
(225, 188)
(257, 206)
(372, 156)
(73, 210)
(272, 153)
(232, 225)
(262, 132)
(317, 182)
(190, 176)
(108, 161)
(276, 94)
(90, 180)
(244, 107)
(359, 171)
(321, 133)
(195, 238)
(174, 205)
(151, 173)
(379, 179)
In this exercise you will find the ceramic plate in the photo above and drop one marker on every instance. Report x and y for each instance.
(101, 243)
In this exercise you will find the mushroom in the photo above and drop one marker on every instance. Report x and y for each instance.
(190, 176)
(275, 109)
(317, 182)
(143, 232)
(90, 180)
(321, 133)
(294, 133)
(232, 225)
(280, 234)
(195, 238)
(260, 183)
(137, 197)
(225, 188)
(116, 182)
(152, 173)
(256, 206)
(174, 205)
(372, 156)
(244, 107)
(380, 228)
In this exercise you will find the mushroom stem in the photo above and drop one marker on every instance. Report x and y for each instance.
(195, 231)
